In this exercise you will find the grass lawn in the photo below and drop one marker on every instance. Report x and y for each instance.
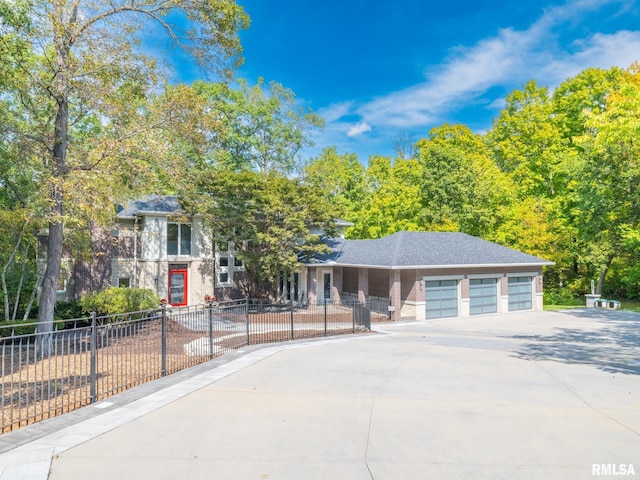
(632, 305)
(562, 307)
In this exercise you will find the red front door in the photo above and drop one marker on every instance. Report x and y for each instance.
(178, 287)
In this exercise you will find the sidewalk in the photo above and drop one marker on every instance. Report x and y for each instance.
(527, 396)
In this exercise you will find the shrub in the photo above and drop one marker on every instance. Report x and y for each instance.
(117, 300)
(17, 327)
(562, 297)
(68, 310)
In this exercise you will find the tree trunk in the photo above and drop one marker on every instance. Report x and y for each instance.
(603, 274)
(10, 261)
(21, 282)
(32, 297)
(58, 172)
(52, 271)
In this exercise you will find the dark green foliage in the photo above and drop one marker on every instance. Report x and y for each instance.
(68, 310)
(17, 328)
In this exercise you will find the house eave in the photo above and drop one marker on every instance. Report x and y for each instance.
(432, 267)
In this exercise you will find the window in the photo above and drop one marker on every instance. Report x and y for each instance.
(62, 283)
(237, 262)
(224, 261)
(224, 277)
(124, 282)
(178, 239)
(223, 246)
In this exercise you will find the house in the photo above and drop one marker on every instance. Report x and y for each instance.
(154, 244)
(426, 275)
(422, 275)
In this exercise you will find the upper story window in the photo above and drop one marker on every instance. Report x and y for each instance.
(178, 239)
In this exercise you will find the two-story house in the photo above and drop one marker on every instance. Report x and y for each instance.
(156, 245)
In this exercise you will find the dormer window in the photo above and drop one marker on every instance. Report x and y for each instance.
(178, 239)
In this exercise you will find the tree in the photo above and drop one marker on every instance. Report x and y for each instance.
(608, 195)
(527, 143)
(575, 102)
(269, 218)
(83, 73)
(262, 128)
(405, 145)
(391, 202)
(461, 188)
(341, 178)
(586, 93)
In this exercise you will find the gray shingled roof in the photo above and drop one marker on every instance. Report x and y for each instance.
(159, 204)
(424, 249)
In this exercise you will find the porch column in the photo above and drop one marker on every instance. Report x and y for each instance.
(394, 294)
(363, 284)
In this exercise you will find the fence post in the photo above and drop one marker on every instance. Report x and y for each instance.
(325, 317)
(163, 317)
(353, 316)
(210, 330)
(246, 310)
(291, 314)
(93, 377)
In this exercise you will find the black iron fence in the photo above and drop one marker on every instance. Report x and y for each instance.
(78, 362)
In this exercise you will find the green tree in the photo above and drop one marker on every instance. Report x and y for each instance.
(341, 178)
(578, 97)
(529, 145)
(461, 188)
(575, 102)
(88, 77)
(392, 202)
(527, 142)
(262, 128)
(269, 217)
(608, 195)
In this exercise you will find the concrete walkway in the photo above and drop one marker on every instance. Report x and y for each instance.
(553, 395)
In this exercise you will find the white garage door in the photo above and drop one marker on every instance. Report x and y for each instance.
(441, 298)
(483, 295)
(520, 293)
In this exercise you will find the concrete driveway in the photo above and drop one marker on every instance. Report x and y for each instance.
(553, 395)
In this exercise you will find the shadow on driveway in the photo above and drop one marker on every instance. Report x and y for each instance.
(609, 340)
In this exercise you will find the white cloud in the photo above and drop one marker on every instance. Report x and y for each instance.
(335, 111)
(358, 129)
(509, 58)
(505, 60)
(467, 74)
(600, 51)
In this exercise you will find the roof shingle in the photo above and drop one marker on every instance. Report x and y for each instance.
(424, 249)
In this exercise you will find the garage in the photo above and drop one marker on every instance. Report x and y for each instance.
(441, 298)
(483, 295)
(520, 293)
(429, 275)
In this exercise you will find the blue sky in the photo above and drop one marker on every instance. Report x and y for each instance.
(374, 69)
